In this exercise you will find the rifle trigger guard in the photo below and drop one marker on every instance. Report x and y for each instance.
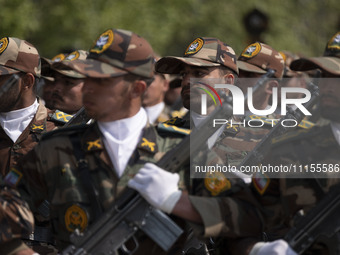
(126, 251)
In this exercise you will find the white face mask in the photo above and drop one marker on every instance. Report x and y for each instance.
(15, 122)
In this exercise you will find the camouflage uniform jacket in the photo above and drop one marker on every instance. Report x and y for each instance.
(10, 152)
(16, 220)
(224, 204)
(282, 198)
(50, 173)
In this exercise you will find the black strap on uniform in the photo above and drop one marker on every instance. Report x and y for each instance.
(85, 176)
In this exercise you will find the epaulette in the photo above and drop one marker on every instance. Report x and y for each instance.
(65, 131)
(165, 129)
(306, 124)
(61, 117)
(176, 121)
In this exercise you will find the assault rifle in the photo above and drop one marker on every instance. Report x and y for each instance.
(262, 148)
(321, 224)
(131, 212)
(9, 83)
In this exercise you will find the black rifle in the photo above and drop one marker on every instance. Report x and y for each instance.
(9, 83)
(131, 212)
(262, 148)
(320, 225)
(80, 117)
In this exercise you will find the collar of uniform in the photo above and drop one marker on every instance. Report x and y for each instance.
(92, 140)
(148, 142)
(38, 124)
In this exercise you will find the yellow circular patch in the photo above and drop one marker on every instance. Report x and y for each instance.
(216, 183)
(3, 44)
(194, 47)
(334, 43)
(75, 218)
(251, 51)
(58, 57)
(103, 42)
(72, 56)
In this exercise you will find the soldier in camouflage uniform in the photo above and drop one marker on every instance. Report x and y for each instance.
(211, 58)
(116, 148)
(282, 199)
(66, 89)
(23, 117)
(254, 61)
(153, 99)
(16, 221)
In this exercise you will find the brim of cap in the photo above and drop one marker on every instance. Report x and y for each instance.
(328, 64)
(91, 68)
(7, 70)
(249, 67)
(47, 78)
(174, 65)
(71, 73)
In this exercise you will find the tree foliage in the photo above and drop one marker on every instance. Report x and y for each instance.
(55, 26)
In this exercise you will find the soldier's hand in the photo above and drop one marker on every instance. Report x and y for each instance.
(157, 186)
(278, 247)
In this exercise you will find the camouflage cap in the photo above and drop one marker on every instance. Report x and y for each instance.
(67, 71)
(17, 55)
(288, 57)
(330, 62)
(46, 66)
(203, 51)
(116, 52)
(259, 57)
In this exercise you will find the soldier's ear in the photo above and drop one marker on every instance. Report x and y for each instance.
(138, 88)
(229, 78)
(270, 85)
(28, 80)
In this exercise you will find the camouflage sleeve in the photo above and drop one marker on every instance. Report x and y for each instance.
(230, 216)
(16, 219)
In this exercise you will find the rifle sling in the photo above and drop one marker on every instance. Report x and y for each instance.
(85, 177)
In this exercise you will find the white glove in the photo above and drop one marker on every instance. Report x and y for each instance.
(278, 247)
(157, 186)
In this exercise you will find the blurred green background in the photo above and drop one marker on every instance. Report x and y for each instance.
(55, 26)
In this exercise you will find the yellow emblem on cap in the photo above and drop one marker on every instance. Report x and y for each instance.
(73, 55)
(103, 42)
(251, 51)
(58, 58)
(3, 44)
(334, 43)
(194, 47)
(216, 183)
(76, 218)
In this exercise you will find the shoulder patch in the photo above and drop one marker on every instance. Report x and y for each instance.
(60, 116)
(13, 177)
(260, 182)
